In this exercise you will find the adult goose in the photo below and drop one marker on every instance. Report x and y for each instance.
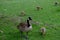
(25, 27)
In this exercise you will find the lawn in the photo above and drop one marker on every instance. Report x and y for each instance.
(48, 17)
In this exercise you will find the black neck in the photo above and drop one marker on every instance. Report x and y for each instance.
(28, 24)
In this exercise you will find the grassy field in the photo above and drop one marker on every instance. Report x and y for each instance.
(48, 17)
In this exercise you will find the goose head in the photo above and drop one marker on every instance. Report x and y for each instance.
(29, 18)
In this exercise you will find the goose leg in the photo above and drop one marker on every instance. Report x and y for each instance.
(21, 35)
(26, 36)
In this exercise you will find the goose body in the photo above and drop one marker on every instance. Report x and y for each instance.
(23, 27)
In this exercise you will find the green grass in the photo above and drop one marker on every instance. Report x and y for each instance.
(48, 15)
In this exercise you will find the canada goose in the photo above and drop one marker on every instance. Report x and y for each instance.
(25, 27)
(43, 31)
(38, 8)
(23, 13)
(56, 3)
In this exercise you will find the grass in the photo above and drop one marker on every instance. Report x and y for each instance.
(48, 16)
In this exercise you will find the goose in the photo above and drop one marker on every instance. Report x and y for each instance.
(56, 3)
(43, 31)
(25, 27)
(23, 13)
(38, 8)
